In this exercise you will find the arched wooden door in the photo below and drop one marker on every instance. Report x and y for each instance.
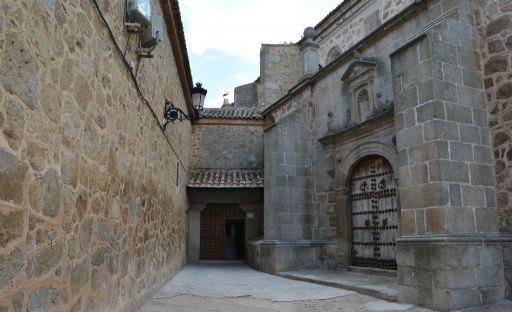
(374, 214)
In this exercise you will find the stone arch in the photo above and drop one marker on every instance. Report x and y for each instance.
(344, 170)
(350, 161)
(333, 53)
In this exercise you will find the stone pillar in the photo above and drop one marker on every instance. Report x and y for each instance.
(309, 53)
(450, 252)
(194, 231)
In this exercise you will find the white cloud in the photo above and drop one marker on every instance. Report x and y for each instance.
(239, 27)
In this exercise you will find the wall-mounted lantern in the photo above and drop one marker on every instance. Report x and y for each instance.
(173, 113)
(198, 96)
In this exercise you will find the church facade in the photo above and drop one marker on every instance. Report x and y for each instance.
(386, 145)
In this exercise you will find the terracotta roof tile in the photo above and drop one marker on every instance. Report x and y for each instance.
(221, 178)
(230, 113)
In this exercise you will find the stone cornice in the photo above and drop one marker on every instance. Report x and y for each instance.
(347, 55)
(172, 17)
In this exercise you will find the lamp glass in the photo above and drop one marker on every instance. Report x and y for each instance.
(198, 96)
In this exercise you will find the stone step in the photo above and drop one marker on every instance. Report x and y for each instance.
(378, 286)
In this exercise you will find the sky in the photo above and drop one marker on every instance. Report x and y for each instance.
(224, 37)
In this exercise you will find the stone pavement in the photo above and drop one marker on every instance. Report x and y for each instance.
(236, 287)
(378, 286)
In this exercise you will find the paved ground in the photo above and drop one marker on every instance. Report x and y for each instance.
(378, 286)
(236, 287)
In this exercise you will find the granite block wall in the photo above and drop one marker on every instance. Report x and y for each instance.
(450, 255)
(230, 145)
(289, 189)
(88, 221)
(280, 69)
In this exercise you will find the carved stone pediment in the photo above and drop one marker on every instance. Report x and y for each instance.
(356, 69)
(359, 79)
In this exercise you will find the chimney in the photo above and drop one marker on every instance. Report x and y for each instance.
(309, 53)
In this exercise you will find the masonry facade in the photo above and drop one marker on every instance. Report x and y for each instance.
(91, 215)
(225, 189)
(386, 145)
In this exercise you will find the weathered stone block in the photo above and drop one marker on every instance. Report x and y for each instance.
(428, 151)
(12, 177)
(52, 194)
(69, 167)
(424, 196)
(473, 196)
(11, 263)
(486, 220)
(448, 171)
(408, 222)
(459, 220)
(445, 91)
(407, 99)
(498, 25)
(14, 127)
(461, 151)
(444, 51)
(79, 276)
(490, 276)
(51, 104)
(482, 154)
(409, 137)
(426, 92)
(434, 220)
(469, 134)
(482, 175)
(44, 299)
(99, 279)
(452, 73)
(11, 226)
(496, 64)
(85, 235)
(430, 111)
(457, 278)
(47, 259)
(472, 78)
(18, 299)
(419, 174)
(459, 113)
(455, 195)
(451, 299)
(19, 70)
(37, 155)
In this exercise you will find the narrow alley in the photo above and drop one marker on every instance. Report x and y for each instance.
(230, 287)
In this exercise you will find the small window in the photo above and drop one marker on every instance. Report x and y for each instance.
(177, 174)
(363, 102)
(333, 54)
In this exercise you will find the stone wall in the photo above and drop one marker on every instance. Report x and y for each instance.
(358, 20)
(227, 145)
(88, 221)
(494, 22)
(246, 95)
(280, 69)
(449, 255)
